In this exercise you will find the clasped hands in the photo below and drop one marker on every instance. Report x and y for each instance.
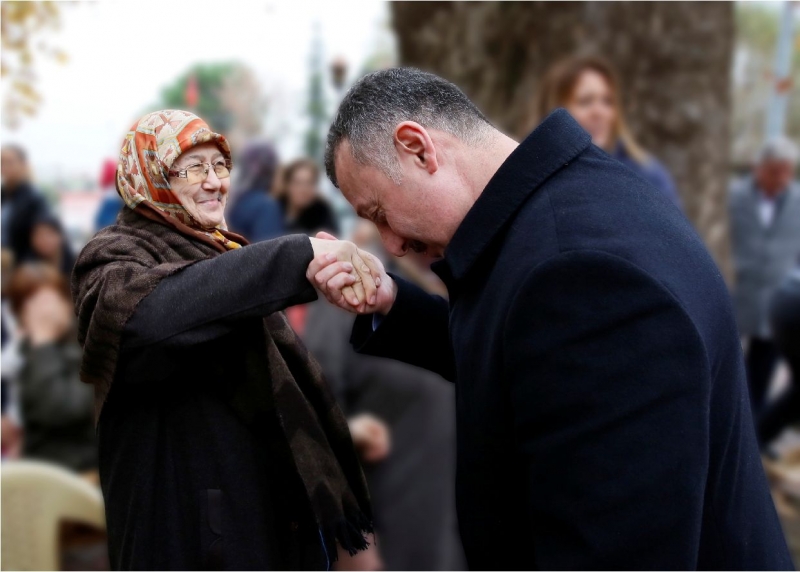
(349, 277)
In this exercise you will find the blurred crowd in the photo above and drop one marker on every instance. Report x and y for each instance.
(401, 417)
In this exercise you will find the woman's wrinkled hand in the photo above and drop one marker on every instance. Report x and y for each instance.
(370, 437)
(349, 277)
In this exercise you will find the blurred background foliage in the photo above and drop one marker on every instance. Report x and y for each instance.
(23, 29)
(756, 36)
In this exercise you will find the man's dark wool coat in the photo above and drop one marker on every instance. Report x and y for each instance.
(602, 406)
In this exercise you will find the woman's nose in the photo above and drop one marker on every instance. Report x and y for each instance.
(212, 182)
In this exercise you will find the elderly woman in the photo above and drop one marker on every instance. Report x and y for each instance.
(220, 445)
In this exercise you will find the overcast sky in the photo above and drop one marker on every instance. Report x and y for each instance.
(122, 53)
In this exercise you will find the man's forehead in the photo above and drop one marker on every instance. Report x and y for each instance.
(352, 176)
(344, 162)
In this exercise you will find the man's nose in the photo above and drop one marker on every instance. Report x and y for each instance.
(396, 245)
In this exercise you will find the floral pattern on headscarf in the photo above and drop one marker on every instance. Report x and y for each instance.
(148, 153)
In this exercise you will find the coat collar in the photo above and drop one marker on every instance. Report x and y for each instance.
(552, 145)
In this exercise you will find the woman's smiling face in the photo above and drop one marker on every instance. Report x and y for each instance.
(205, 201)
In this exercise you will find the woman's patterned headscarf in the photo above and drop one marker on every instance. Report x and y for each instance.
(147, 155)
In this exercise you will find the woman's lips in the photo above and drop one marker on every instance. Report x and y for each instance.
(211, 203)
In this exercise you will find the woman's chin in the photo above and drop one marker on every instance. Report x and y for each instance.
(210, 215)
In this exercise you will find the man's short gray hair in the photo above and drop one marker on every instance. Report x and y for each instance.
(778, 148)
(379, 101)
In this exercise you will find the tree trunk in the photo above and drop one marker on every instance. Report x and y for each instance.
(673, 58)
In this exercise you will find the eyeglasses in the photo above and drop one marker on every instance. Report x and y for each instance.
(198, 172)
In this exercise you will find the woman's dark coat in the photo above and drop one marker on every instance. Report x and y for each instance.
(192, 477)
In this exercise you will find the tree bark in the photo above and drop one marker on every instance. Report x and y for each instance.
(673, 58)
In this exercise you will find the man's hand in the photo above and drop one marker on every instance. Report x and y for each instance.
(339, 275)
(371, 437)
(354, 282)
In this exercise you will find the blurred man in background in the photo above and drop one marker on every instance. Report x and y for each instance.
(22, 204)
(765, 235)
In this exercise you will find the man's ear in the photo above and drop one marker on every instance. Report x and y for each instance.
(413, 142)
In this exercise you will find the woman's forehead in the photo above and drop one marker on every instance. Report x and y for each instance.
(303, 172)
(201, 152)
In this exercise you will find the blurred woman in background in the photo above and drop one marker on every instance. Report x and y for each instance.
(253, 212)
(304, 209)
(588, 87)
(49, 244)
(57, 409)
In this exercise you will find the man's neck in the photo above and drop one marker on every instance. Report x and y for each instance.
(478, 165)
(487, 160)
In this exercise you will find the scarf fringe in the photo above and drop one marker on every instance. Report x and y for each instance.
(350, 534)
